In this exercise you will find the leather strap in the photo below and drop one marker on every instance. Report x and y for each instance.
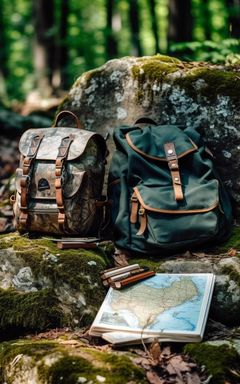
(65, 113)
(62, 155)
(25, 179)
(172, 159)
(143, 221)
(134, 209)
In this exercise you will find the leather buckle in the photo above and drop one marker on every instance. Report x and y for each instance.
(174, 166)
(24, 181)
(58, 182)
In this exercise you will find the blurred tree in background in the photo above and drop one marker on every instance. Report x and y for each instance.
(47, 44)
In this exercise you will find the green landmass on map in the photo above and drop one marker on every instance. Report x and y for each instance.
(147, 302)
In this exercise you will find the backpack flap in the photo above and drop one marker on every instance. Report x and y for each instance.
(148, 141)
(52, 138)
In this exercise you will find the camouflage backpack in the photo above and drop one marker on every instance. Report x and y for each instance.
(59, 181)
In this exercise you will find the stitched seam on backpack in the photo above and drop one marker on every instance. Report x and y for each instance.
(136, 149)
(177, 212)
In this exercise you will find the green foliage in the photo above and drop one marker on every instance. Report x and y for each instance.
(86, 35)
(215, 52)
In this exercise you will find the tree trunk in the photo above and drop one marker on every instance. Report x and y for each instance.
(135, 28)
(207, 20)
(111, 41)
(234, 18)
(44, 44)
(152, 4)
(180, 21)
(4, 71)
(59, 78)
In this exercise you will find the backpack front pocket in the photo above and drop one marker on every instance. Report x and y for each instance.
(158, 218)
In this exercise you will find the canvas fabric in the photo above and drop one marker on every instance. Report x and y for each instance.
(165, 192)
(58, 191)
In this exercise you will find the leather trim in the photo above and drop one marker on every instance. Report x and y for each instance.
(175, 211)
(143, 221)
(136, 149)
(134, 209)
(172, 159)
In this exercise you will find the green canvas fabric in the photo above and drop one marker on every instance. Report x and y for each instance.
(139, 164)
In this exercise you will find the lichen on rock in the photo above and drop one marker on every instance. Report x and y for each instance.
(200, 95)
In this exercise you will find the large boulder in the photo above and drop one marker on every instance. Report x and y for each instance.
(42, 287)
(194, 94)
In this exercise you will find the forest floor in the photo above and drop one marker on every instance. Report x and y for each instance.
(163, 363)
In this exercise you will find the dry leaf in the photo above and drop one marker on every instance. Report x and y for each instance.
(120, 259)
(232, 252)
(193, 378)
(176, 366)
(153, 378)
(68, 342)
(166, 352)
(155, 351)
(3, 224)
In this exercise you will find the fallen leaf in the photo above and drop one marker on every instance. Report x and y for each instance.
(176, 366)
(166, 352)
(120, 258)
(69, 342)
(193, 378)
(153, 378)
(232, 252)
(3, 224)
(155, 351)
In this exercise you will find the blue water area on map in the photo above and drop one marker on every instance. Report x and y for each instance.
(183, 317)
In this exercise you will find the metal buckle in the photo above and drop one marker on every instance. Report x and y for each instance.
(134, 199)
(141, 211)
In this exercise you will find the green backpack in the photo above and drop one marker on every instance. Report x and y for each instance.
(166, 195)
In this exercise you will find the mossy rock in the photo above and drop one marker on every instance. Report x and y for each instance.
(221, 362)
(64, 361)
(200, 95)
(43, 287)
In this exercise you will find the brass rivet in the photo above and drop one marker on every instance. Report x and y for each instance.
(170, 151)
(176, 178)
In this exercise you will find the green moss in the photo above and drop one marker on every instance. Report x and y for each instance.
(36, 350)
(68, 369)
(217, 82)
(72, 362)
(115, 369)
(163, 59)
(33, 311)
(232, 273)
(220, 362)
(153, 263)
(152, 70)
(77, 269)
(232, 242)
(122, 369)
